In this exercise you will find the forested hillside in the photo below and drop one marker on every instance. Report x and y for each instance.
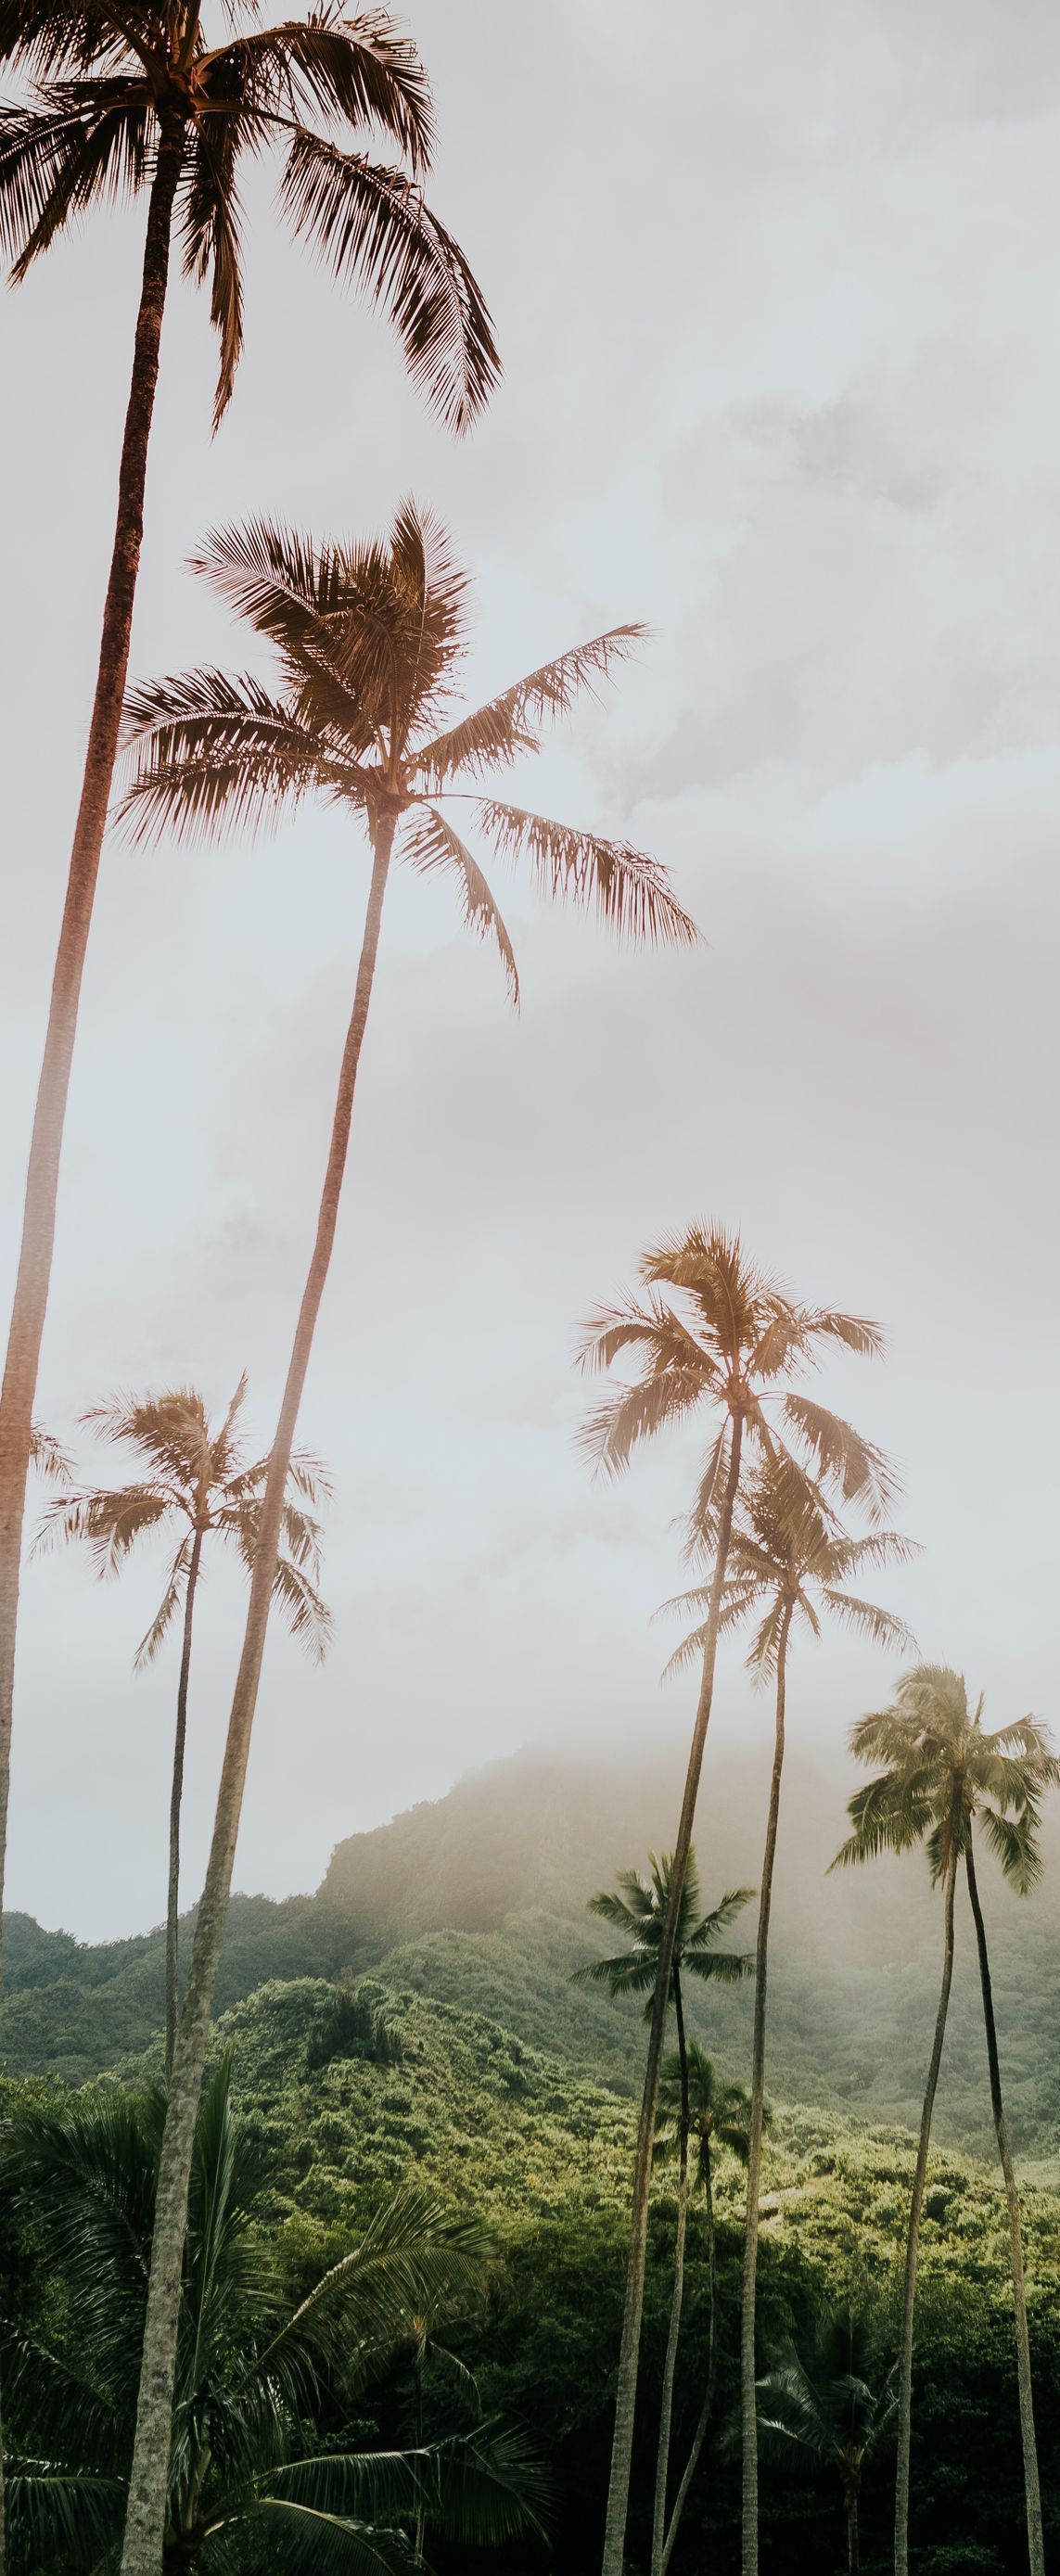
(478, 1901)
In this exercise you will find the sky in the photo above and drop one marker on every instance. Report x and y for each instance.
(776, 295)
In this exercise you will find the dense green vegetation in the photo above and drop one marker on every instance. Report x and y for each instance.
(515, 2133)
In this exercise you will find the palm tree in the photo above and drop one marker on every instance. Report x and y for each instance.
(257, 2473)
(710, 1329)
(719, 2124)
(198, 1478)
(123, 99)
(368, 640)
(639, 1913)
(789, 1558)
(941, 1775)
(826, 2408)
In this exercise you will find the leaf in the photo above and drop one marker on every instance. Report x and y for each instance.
(374, 228)
(428, 843)
(627, 890)
(495, 734)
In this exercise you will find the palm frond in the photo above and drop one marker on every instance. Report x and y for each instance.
(109, 1520)
(172, 1600)
(375, 229)
(429, 843)
(881, 1627)
(78, 142)
(494, 735)
(332, 65)
(48, 1456)
(856, 1467)
(216, 754)
(628, 890)
(210, 218)
(611, 1431)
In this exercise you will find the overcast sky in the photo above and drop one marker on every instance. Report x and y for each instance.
(777, 295)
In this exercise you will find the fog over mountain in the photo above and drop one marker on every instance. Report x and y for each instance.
(776, 295)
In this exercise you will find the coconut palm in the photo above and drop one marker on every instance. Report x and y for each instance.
(130, 100)
(710, 1330)
(257, 2474)
(199, 1479)
(826, 2408)
(941, 1776)
(639, 1912)
(789, 1559)
(368, 641)
(719, 2123)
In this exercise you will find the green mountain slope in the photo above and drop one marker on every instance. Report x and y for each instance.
(478, 1900)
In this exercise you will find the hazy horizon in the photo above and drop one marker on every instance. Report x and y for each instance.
(776, 303)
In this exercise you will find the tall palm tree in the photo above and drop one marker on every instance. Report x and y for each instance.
(719, 2116)
(826, 2408)
(199, 1478)
(711, 1330)
(368, 641)
(639, 1912)
(789, 1559)
(941, 1775)
(258, 2474)
(133, 99)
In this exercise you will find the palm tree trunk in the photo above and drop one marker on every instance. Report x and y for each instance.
(670, 2365)
(700, 2434)
(629, 2354)
(1035, 2537)
(176, 1795)
(748, 2390)
(421, 2519)
(853, 2543)
(905, 2357)
(148, 2481)
(30, 1302)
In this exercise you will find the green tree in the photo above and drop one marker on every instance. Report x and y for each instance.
(368, 640)
(719, 2123)
(258, 2474)
(942, 1774)
(826, 2408)
(199, 1478)
(131, 99)
(710, 1330)
(789, 1559)
(639, 1912)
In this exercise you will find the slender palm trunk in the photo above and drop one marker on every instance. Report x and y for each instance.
(905, 2357)
(1035, 2538)
(700, 2434)
(149, 2476)
(853, 2543)
(666, 2407)
(748, 2390)
(30, 1302)
(421, 2518)
(629, 2354)
(176, 1795)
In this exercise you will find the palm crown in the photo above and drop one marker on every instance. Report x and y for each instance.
(105, 83)
(719, 2114)
(828, 2405)
(940, 1770)
(369, 639)
(711, 1329)
(199, 1478)
(638, 1911)
(789, 1558)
